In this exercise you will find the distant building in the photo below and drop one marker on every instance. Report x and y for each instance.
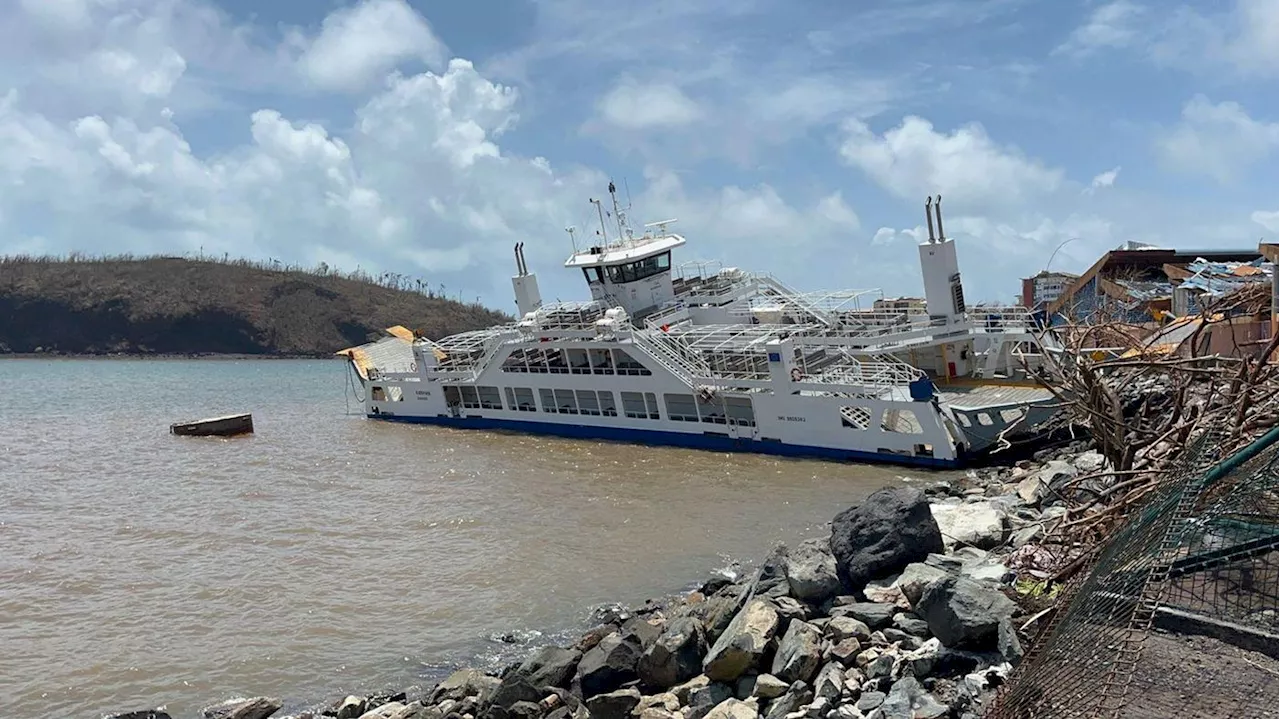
(909, 305)
(1044, 288)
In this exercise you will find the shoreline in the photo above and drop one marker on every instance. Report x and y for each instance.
(820, 630)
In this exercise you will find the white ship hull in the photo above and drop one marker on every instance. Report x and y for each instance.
(725, 362)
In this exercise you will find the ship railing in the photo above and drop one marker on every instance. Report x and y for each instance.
(676, 313)
(677, 360)
(886, 371)
(791, 298)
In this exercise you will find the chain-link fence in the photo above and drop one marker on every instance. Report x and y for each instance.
(1178, 614)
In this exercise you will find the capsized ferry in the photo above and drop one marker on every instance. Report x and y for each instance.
(719, 358)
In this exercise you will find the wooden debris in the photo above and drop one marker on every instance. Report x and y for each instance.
(227, 426)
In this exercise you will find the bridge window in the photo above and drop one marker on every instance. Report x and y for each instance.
(593, 274)
(640, 270)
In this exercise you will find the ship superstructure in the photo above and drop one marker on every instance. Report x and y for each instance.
(698, 355)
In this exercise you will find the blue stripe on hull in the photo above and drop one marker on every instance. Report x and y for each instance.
(671, 439)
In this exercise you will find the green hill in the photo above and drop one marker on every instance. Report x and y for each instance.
(166, 305)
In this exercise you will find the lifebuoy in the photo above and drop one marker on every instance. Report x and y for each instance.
(413, 366)
(796, 374)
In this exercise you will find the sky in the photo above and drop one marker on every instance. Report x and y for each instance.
(797, 137)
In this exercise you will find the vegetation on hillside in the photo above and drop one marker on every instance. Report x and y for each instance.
(173, 305)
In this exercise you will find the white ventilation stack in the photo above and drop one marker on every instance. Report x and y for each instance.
(943, 293)
(525, 285)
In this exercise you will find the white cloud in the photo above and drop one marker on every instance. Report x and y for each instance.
(1113, 25)
(1103, 180)
(1219, 140)
(641, 106)
(418, 182)
(1269, 220)
(965, 166)
(357, 45)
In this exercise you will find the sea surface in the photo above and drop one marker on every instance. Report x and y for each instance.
(328, 553)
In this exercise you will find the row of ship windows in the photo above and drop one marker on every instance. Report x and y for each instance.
(636, 405)
(574, 361)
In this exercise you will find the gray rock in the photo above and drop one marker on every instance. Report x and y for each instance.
(613, 705)
(1026, 535)
(644, 632)
(901, 638)
(846, 651)
(964, 613)
(798, 695)
(704, 699)
(908, 700)
(873, 615)
(463, 683)
(550, 667)
(676, 655)
(683, 692)
(830, 682)
(256, 708)
(789, 608)
(869, 701)
(772, 580)
(142, 714)
(799, 653)
(1007, 642)
(881, 666)
(911, 625)
(768, 686)
(609, 665)
(734, 709)
(385, 711)
(811, 571)
(979, 524)
(743, 643)
(886, 591)
(1090, 462)
(890, 529)
(840, 628)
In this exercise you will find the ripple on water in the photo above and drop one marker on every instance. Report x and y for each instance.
(329, 554)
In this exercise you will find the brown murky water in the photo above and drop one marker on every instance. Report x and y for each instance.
(328, 553)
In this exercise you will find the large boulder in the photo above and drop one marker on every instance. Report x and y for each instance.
(609, 665)
(735, 709)
(811, 571)
(963, 613)
(256, 708)
(461, 684)
(890, 529)
(530, 681)
(908, 700)
(613, 705)
(799, 653)
(917, 577)
(743, 643)
(772, 578)
(978, 524)
(675, 657)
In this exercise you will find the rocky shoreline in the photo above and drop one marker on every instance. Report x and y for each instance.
(911, 608)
